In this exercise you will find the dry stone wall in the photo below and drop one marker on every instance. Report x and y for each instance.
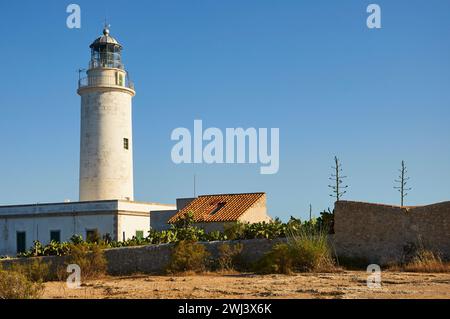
(382, 233)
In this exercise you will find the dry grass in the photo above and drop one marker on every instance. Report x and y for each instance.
(425, 261)
(16, 285)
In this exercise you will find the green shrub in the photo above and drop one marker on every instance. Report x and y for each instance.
(215, 236)
(235, 231)
(280, 260)
(187, 220)
(190, 233)
(52, 249)
(311, 250)
(188, 256)
(91, 260)
(229, 257)
(15, 285)
(306, 250)
(76, 239)
(94, 237)
(36, 271)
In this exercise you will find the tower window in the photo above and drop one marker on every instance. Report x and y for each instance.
(126, 144)
(119, 79)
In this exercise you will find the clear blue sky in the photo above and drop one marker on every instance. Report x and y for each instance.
(311, 68)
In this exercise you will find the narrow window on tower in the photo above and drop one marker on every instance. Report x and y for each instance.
(119, 79)
(126, 143)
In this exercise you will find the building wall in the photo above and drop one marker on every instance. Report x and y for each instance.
(159, 219)
(108, 217)
(128, 225)
(39, 228)
(257, 213)
(152, 212)
(106, 167)
(183, 202)
(379, 233)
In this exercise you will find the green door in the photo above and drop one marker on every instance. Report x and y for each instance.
(139, 234)
(55, 235)
(21, 242)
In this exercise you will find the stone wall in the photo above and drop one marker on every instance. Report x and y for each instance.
(154, 258)
(380, 233)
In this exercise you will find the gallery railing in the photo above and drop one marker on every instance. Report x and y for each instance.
(92, 81)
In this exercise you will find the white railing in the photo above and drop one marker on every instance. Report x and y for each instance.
(91, 81)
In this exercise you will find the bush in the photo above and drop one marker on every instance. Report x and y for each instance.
(311, 250)
(52, 249)
(306, 250)
(91, 260)
(188, 256)
(93, 237)
(215, 236)
(280, 260)
(36, 271)
(189, 233)
(229, 257)
(15, 285)
(76, 239)
(235, 231)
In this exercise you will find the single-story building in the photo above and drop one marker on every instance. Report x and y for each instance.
(20, 225)
(215, 212)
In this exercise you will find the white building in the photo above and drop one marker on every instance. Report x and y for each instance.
(106, 166)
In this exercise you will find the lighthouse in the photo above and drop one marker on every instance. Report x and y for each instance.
(106, 146)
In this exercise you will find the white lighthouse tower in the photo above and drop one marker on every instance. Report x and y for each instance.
(106, 150)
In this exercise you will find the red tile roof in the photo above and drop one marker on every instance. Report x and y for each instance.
(219, 208)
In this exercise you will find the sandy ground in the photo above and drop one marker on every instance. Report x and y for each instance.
(348, 284)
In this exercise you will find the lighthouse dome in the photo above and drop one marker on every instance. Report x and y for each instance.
(105, 39)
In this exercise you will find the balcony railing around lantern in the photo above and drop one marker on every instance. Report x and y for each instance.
(106, 64)
(92, 81)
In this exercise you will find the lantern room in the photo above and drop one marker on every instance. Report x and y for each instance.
(106, 52)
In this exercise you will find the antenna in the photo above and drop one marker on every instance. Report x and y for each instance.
(106, 27)
(105, 23)
(195, 185)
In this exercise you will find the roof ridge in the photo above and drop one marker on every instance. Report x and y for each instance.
(232, 194)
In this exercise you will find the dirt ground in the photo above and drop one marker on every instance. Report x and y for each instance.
(347, 284)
